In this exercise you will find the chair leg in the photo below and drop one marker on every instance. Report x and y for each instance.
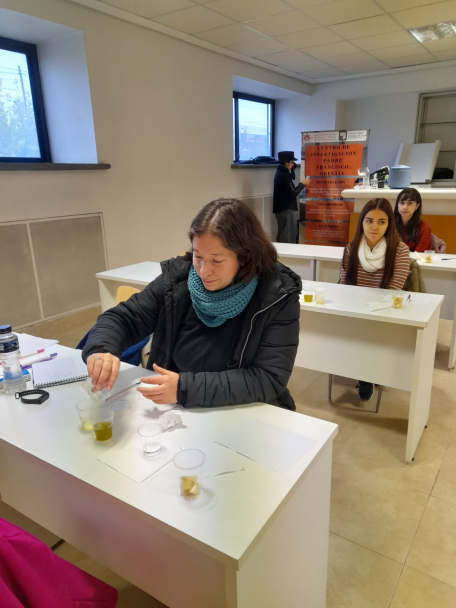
(379, 397)
(330, 383)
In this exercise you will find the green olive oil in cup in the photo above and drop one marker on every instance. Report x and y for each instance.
(102, 421)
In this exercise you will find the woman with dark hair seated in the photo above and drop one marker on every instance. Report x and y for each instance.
(375, 258)
(224, 318)
(415, 233)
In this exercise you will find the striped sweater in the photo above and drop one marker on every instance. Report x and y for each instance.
(374, 279)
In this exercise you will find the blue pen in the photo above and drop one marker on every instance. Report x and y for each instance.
(40, 361)
(444, 259)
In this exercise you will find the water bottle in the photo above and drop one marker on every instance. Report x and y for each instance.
(366, 183)
(10, 355)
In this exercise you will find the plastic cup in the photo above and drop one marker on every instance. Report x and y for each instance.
(189, 467)
(320, 295)
(84, 408)
(429, 256)
(102, 420)
(151, 437)
(398, 298)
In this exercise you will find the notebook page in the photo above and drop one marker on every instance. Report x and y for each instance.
(59, 371)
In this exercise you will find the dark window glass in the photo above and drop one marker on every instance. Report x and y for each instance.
(23, 132)
(253, 126)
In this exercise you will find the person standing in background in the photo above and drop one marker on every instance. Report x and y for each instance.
(285, 206)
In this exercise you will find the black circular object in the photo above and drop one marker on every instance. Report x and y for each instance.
(23, 396)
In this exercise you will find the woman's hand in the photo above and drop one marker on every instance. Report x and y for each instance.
(305, 181)
(103, 368)
(165, 389)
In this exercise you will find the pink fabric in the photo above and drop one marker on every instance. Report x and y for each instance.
(32, 576)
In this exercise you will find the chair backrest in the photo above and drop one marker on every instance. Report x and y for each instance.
(124, 292)
(415, 280)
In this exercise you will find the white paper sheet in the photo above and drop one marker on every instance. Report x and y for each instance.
(129, 459)
(29, 344)
(219, 459)
(271, 447)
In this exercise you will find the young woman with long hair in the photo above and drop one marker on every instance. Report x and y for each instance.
(375, 258)
(415, 233)
(224, 319)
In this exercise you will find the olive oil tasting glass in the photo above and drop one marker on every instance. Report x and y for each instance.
(102, 419)
(398, 298)
(84, 408)
(189, 467)
(429, 256)
(151, 437)
(320, 295)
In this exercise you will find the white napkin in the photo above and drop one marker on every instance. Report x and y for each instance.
(219, 459)
(129, 459)
(379, 305)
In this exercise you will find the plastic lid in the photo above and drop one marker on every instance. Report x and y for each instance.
(118, 406)
(5, 329)
(400, 167)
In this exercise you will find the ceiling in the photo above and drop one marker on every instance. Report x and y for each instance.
(313, 40)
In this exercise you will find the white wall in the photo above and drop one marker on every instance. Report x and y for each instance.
(391, 120)
(162, 112)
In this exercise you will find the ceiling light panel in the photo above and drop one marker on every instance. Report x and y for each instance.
(342, 11)
(244, 10)
(194, 19)
(286, 23)
(435, 32)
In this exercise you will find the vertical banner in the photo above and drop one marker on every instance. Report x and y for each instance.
(331, 159)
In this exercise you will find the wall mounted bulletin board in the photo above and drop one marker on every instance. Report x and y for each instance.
(331, 159)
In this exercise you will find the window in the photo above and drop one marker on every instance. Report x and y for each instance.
(253, 126)
(437, 120)
(23, 132)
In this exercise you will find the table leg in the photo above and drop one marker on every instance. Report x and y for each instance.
(452, 356)
(420, 397)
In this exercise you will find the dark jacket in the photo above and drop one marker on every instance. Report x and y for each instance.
(285, 192)
(264, 354)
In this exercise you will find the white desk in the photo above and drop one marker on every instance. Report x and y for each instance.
(436, 201)
(394, 348)
(135, 275)
(320, 263)
(254, 538)
(312, 262)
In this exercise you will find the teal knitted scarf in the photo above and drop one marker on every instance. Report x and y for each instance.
(214, 307)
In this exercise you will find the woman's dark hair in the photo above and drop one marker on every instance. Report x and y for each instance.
(391, 237)
(413, 225)
(240, 231)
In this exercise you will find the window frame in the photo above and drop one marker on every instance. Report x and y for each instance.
(30, 52)
(256, 98)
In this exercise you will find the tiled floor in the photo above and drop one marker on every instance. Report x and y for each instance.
(393, 525)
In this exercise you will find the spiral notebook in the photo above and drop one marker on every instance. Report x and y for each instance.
(59, 371)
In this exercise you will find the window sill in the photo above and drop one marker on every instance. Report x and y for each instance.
(255, 166)
(54, 166)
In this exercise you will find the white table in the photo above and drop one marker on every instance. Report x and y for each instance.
(253, 538)
(312, 262)
(322, 263)
(394, 348)
(436, 201)
(135, 275)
